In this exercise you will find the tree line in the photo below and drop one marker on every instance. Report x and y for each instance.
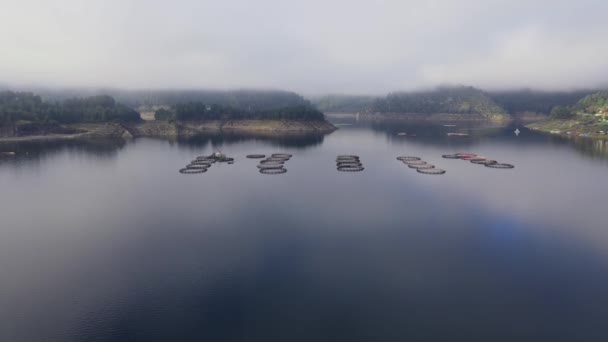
(596, 103)
(200, 111)
(16, 106)
(453, 100)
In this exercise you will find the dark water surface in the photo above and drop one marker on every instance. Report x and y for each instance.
(106, 241)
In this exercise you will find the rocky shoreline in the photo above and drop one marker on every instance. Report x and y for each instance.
(425, 117)
(167, 129)
(579, 127)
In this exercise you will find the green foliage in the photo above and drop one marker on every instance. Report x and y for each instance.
(163, 114)
(199, 111)
(518, 101)
(593, 104)
(452, 100)
(344, 103)
(16, 106)
(562, 112)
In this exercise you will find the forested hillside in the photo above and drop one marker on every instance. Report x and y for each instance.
(596, 103)
(518, 101)
(15, 106)
(450, 100)
(201, 111)
(241, 99)
(344, 103)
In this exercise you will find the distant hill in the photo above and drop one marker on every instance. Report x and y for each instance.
(596, 103)
(442, 100)
(526, 100)
(344, 103)
(240, 99)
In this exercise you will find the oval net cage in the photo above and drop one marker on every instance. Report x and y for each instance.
(500, 166)
(273, 171)
(431, 171)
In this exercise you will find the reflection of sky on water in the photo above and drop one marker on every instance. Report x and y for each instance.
(125, 247)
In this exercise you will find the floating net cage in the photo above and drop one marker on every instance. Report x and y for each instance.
(450, 156)
(198, 167)
(431, 171)
(281, 155)
(350, 168)
(483, 161)
(188, 171)
(201, 162)
(348, 156)
(461, 155)
(422, 166)
(256, 156)
(414, 162)
(349, 164)
(206, 159)
(272, 162)
(273, 171)
(500, 166)
(407, 158)
(226, 160)
(270, 166)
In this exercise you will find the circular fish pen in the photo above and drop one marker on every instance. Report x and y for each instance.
(187, 171)
(205, 159)
(350, 168)
(431, 171)
(197, 167)
(255, 156)
(450, 156)
(422, 166)
(414, 162)
(501, 166)
(408, 158)
(201, 162)
(349, 163)
(273, 171)
(270, 166)
(483, 161)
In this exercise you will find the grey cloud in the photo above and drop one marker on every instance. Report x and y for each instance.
(308, 46)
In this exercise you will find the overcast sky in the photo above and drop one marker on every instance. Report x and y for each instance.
(311, 46)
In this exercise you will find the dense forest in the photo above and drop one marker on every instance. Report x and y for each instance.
(16, 106)
(200, 111)
(453, 100)
(596, 103)
(526, 100)
(344, 103)
(241, 99)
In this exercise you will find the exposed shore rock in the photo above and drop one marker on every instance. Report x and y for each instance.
(164, 129)
(435, 117)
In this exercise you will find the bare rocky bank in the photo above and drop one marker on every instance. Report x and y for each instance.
(164, 129)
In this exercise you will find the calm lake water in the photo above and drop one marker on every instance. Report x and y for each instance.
(106, 241)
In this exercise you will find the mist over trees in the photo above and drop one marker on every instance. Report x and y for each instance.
(241, 99)
(596, 103)
(456, 100)
(199, 111)
(527, 100)
(24, 106)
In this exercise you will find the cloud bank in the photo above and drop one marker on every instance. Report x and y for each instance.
(307, 46)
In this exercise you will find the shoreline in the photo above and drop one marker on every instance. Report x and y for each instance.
(183, 129)
(578, 127)
(438, 117)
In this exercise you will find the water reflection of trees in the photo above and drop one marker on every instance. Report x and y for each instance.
(291, 140)
(28, 152)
